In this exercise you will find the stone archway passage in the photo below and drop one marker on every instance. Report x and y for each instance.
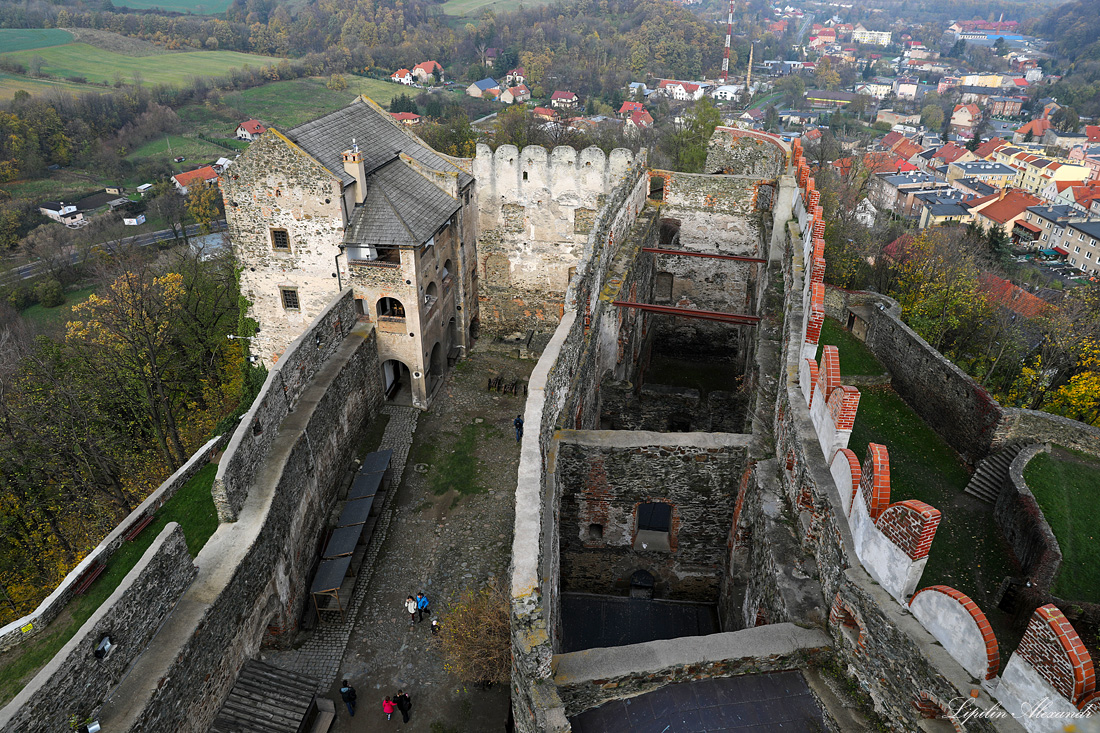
(396, 382)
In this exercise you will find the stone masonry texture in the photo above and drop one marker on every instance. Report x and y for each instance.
(76, 682)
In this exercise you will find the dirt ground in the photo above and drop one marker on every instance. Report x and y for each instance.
(451, 529)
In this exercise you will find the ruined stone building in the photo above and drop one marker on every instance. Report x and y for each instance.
(352, 198)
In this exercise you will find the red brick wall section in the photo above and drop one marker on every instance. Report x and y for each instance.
(1090, 704)
(874, 479)
(828, 377)
(843, 403)
(853, 466)
(992, 650)
(813, 379)
(911, 525)
(1052, 647)
(932, 708)
(817, 313)
(841, 615)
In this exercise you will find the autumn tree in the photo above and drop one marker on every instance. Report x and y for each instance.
(476, 636)
(204, 204)
(825, 76)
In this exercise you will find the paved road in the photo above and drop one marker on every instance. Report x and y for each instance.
(33, 269)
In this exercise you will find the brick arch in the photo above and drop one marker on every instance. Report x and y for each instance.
(673, 521)
(843, 403)
(911, 525)
(828, 375)
(1051, 645)
(931, 707)
(992, 649)
(874, 479)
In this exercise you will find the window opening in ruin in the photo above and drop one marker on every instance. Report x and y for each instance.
(657, 188)
(653, 522)
(257, 428)
(642, 584)
(595, 531)
(525, 175)
(669, 233)
(662, 290)
(390, 308)
(290, 298)
(431, 296)
(280, 240)
(360, 307)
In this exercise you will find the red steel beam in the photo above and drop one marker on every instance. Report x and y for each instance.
(669, 310)
(739, 258)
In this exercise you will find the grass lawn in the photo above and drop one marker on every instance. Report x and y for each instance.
(855, 357)
(968, 552)
(197, 151)
(25, 39)
(51, 320)
(97, 64)
(192, 507)
(1067, 487)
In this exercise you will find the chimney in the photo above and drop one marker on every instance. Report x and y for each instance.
(357, 169)
(1004, 190)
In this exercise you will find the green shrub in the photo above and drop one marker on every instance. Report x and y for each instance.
(50, 293)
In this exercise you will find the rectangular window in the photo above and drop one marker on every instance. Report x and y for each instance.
(1076, 249)
(280, 240)
(290, 298)
(1088, 255)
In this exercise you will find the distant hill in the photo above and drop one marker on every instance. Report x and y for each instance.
(1074, 29)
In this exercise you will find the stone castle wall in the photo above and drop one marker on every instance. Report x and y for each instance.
(253, 573)
(75, 682)
(537, 210)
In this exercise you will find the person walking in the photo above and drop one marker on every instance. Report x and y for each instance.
(388, 707)
(410, 606)
(347, 693)
(435, 627)
(518, 424)
(422, 603)
(404, 704)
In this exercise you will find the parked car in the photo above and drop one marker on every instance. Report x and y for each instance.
(179, 159)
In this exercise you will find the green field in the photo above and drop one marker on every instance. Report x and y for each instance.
(202, 7)
(24, 39)
(471, 8)
(11, 83)
(97, 64)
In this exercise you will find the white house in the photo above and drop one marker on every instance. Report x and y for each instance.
(250, 130)
(133, 221)
(428, 71)
(61, 212)
(402, 76)
(728, 92)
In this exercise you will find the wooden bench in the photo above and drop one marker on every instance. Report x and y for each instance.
(139, 525)
(89, 576)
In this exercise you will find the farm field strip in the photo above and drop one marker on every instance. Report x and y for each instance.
(97, 64)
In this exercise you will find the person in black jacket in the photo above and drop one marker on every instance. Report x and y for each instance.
(347, 692)
(404, 704)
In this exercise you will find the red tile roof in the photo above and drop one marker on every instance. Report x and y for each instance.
(567, 96)
(428, 67)
(1013, 204)
(400, 73)
(629, 107)
(253, 127)
(1035, 127)
(405, 116)
(1002, 292)
(206, 173)
(986, 149)
(950, 152)
(907, 149)
(641, 118)
(545, 111)
(1092, 132)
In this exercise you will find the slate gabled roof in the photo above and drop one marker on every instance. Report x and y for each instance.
(379, 137)
(401, 209)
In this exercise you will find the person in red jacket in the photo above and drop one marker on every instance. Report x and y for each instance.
(388, 707)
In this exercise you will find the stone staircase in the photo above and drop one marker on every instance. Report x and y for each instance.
(991, 473)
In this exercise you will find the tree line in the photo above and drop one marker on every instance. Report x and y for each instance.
(96, 417)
